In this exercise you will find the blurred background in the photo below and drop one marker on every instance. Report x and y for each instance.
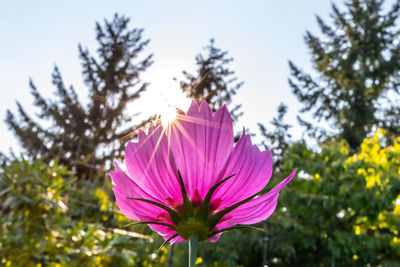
(317, 82)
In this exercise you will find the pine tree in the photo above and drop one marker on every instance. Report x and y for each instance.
(277, 140)
(213, 80)
(358, 61)
(86, 138)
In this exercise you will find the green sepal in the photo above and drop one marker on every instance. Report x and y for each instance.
(186, 205)
(166, 242)
(150, 222)
(218, 216)
(173, 214)
(236, 227)
(204, 209)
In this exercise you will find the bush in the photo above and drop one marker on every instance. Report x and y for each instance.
(49, 220)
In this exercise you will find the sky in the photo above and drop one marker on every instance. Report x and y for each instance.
(261, 36)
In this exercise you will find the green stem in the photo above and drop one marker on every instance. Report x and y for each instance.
(193, 240)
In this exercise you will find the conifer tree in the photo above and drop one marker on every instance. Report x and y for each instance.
(86, 137)
(277, 140)
(358, 62)
(213, 80)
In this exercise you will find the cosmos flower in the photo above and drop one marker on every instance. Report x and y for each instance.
(190, 179)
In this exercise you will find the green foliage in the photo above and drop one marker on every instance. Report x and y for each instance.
(47, 219)
(357, 60)
(344, 208)
(235, 248)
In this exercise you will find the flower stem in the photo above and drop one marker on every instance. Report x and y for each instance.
(192, 250)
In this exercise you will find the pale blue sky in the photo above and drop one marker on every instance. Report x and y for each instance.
(261, 36)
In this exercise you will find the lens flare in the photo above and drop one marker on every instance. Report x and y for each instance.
(167, 114)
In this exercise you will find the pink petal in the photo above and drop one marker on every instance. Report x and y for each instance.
(177, 239)
(149, 165)
(136, 210)
(258, 209)
(166, 233)
(215, 238)
(201, 144)
(252, 169)
(224, 224)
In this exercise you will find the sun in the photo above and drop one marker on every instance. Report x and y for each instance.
(167, 104)
(167, 114)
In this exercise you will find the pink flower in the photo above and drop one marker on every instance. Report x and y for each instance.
(190, 179)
